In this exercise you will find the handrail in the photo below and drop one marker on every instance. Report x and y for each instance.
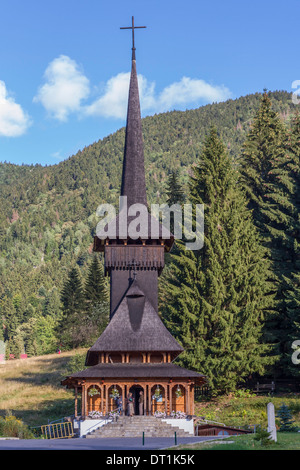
(60, 419)
(208, 421)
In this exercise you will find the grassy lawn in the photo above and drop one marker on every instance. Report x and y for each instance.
(285, 441)
(30, 388)
(244, 409)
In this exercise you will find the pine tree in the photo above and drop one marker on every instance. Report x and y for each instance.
(292, 293)
(175, 195)
(10, 319)
(174, 191)
(216, 298)
(97, 300)
(285, 419)
(269, 187)
(72, 326)
(95, 290)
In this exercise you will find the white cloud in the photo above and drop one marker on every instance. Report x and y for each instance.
(178, 95)
(113, 102)
(13, 120)
(191, 90)
(65, 88)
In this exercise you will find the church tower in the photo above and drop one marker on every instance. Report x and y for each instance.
(135, 353)
(143, 256)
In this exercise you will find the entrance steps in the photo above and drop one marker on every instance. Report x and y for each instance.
(134, 426)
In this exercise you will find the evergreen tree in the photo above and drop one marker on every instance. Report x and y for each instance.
(292, 293)
(269, 187)
(9, 317)
(95, 290)
(97, 301)
(175, 195)
(174, 191)
(71, 327)
(285, 419)
(215, 299)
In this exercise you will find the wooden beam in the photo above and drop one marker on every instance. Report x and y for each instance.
(187, 400)
(106, 399)
(149, 400)
(76, 401)
(102, 398)
(170, 398)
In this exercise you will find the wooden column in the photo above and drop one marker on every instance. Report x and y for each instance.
(123, 397)
(145, 400)
(166, 398)
(106, 399)
(102, 398)
(76, 401)
(83, 404)
(170, 394)
(192, 402)
(187, 400)
(149, 400)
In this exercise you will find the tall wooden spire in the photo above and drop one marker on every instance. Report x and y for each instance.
(133, 178)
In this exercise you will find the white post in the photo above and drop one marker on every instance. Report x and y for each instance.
(271, 421)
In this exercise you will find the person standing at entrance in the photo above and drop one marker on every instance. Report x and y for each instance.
(119, 403)
(130, 404)
(141, 403)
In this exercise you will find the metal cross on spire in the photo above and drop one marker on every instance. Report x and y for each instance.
(133, 27)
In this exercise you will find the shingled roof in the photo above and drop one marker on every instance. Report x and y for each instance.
(133, 175)
(116, 370)
(135, 326)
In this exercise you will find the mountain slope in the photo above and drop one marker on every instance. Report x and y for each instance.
(48, 214)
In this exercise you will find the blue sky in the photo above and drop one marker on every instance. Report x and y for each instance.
(64, 65)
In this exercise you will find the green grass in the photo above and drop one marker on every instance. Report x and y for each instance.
(285, 441)
(246, 409)
(30, 389)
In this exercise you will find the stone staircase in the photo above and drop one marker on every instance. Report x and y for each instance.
(134, 426)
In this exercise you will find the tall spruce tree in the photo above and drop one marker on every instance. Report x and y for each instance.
(215, 299)
(95, 289)
(175, 193)
(96, 299)
(269, 188)
(72, 326)
(292, 293)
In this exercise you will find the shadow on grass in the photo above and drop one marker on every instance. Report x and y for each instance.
(49, 372)
(48, 411)
(53, 371)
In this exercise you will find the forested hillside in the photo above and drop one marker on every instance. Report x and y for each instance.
(48, 214)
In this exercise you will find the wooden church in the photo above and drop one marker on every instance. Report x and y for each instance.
(135, 353)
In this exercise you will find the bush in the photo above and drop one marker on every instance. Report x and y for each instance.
(285, 419)
(264, 437)
(10, 426)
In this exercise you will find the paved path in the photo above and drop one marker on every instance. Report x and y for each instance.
(151, 443)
